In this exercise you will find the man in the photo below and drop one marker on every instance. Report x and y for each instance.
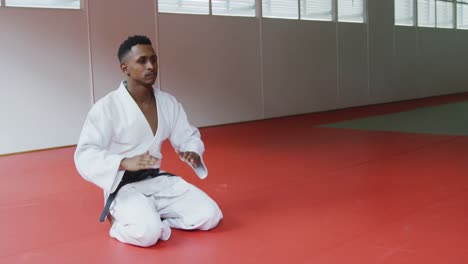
(119, 150)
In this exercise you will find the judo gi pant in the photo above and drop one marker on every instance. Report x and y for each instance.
(144, 212)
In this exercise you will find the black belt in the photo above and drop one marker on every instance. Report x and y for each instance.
(131, 177)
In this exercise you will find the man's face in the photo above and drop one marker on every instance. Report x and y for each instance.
(141, 65)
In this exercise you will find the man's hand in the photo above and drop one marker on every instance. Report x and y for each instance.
(139, 162)
(190, 157)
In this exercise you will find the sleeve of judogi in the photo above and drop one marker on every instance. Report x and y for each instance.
(185, 137)
(92, 159)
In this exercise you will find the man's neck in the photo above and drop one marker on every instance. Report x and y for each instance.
(140, 93)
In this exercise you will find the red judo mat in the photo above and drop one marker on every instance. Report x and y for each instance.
(290, 191)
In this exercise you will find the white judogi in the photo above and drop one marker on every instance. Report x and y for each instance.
(116, 128)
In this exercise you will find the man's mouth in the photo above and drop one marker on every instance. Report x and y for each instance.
(149, 75)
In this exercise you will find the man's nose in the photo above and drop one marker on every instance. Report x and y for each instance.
(150, 65)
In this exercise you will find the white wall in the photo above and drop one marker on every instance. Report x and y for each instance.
(45, 81)
(228, 69)
(212, 65)
(299, 67)
(305, 66)
(353, 65)
(55, 61)
(223, 69)
(111, 22)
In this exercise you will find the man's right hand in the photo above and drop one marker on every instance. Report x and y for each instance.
(139, 162)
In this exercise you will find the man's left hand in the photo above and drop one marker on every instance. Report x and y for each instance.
(190, 157)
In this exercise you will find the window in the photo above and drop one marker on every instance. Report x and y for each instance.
(404, 12)
(325, 10)
(310, 9)
(436, 13)
(281, 8)
(444, 15)
(462, 14)
(426, 13)
(66, 4)
(317, 10)
(234, 7)
(201, 7)
(432, 13)
(351, 11)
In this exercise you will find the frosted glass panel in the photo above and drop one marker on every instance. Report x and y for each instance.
(444, 14)
(404, 12)
(426, 13)
(233, 7)
(316, 10)
(281, 8)
(184, 6)
(68, 4)
(351, 11)
(462, 15)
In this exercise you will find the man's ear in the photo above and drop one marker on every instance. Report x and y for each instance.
(124, 68)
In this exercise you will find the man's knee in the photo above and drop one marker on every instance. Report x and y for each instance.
(206, 218)
(215, 215)
(136, 221)
(141, 234)
(148, 234)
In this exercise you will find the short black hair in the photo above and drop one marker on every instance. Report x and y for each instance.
(131, 41)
